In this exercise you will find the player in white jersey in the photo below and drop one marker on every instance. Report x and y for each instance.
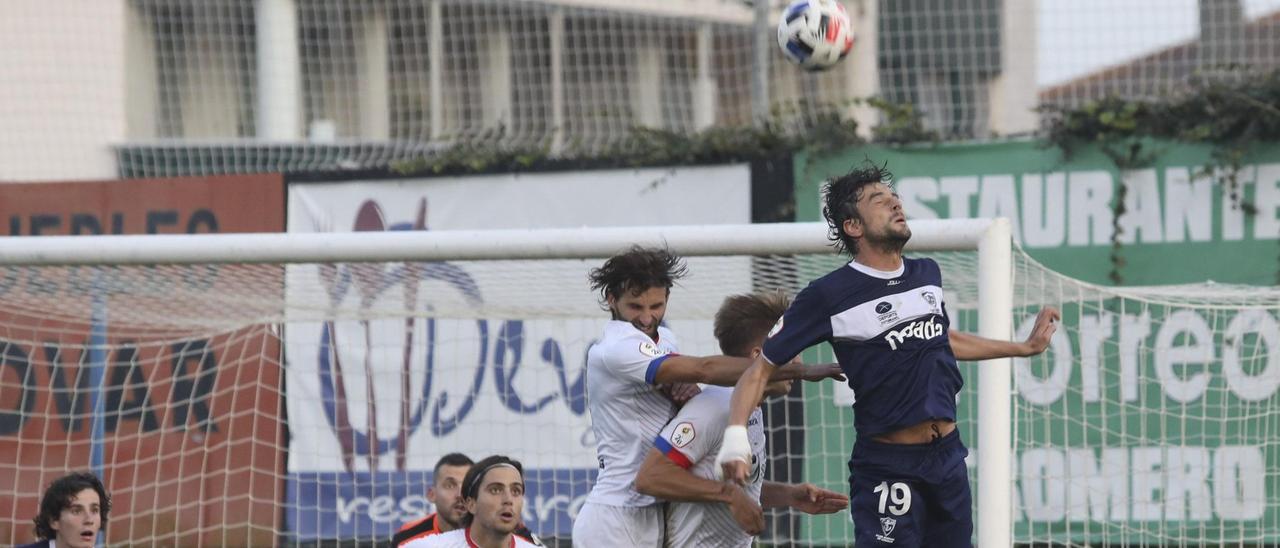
(681, 466)
(634, 357)
(493, 492)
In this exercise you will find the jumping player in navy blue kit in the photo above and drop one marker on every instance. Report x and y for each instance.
(885, 317)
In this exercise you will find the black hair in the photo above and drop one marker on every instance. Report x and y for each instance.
(452, 459)
(635, 271)
(840, 201)
(471, 483)
(58, 498)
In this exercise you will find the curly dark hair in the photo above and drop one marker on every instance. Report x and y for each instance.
(840, 201)
(58, 498)
(635, 271)
(471, 482)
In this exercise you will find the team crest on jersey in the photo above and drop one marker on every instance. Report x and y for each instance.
(776, 328)
(930, 298)
(886, 528)
(683, 434)
(649, 349)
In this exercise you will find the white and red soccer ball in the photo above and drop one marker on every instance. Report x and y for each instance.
(815, 34)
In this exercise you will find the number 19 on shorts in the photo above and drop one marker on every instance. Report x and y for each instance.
(896, 497)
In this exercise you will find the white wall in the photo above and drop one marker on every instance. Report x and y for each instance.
(62, 90)
(78, 77)
(1014, 91)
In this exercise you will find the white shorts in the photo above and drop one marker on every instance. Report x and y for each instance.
(601, 526)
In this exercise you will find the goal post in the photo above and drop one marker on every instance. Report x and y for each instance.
(194, 350)
(995, 388)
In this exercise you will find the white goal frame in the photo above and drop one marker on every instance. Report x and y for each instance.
(990, 237)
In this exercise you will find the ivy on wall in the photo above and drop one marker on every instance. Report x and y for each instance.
(1230, 110)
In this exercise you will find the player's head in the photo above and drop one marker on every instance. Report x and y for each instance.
(446, 489)
(73, 511)
(862, 208)
(494, 493)
(744, 321)
(634, 285)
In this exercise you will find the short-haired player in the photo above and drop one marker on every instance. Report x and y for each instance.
(681, 467)
(493, 492)
(445, 494)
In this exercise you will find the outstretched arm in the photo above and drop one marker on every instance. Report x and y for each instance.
(805, 497)
(968, 347)
(661, 478)
(726, 370)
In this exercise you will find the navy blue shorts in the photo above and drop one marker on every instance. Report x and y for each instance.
(910, 495)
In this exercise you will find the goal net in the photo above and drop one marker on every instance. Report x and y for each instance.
(1150, 421)
(301, 402)
(157, 88)
(1153, 418)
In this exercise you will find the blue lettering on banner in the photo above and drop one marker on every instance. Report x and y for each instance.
(505, 363)
(350, 504)
(364, 505)
(341, 281)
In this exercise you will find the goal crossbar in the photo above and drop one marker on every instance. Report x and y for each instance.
(506, 244)
(991, 238)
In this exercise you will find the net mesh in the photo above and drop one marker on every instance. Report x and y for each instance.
(1151, 420)
(234, 86)
(1148, 422)
(397, 79)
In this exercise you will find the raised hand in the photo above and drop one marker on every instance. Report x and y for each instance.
(733, 460)
(1046, 324)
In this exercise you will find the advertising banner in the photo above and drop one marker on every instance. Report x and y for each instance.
(491, 359)
(1178, 224)
(1151, 417)
(186, 417)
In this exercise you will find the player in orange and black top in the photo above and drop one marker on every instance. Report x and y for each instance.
(424, 527)
(445, 494)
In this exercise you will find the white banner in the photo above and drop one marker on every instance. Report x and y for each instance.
(480, 385)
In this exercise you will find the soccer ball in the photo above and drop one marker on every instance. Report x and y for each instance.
(815, 34)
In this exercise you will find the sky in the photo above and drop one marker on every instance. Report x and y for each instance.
(1077, 37)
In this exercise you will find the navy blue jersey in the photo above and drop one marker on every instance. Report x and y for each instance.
(889, 333)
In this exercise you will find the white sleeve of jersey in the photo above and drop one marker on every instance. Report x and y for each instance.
(433, 541)
(635, 359)
(696, 430)
(457, 539)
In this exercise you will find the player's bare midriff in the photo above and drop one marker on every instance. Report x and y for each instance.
(924, 432)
